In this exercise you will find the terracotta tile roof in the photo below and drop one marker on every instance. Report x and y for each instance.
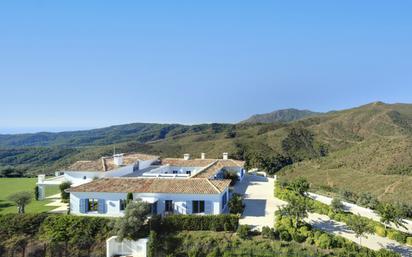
(154, 185)
(218, 165)
(107, 163)
(188, 163)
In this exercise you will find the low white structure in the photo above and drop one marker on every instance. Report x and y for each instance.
(126, 247)
(107, 196)
(82, 172)
(173, 185)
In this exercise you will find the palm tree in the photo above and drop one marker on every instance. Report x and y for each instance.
(21, 199)
(297, 209)
(390, 214)
(360, 226)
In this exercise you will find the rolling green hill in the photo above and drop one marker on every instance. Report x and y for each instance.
(368, 148)
(285, 115)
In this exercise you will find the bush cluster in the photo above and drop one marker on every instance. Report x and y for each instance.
(282, 192)
(343, 247)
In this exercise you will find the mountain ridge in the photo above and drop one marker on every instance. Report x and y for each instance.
(282, 115)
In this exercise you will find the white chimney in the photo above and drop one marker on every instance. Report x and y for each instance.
(202, 156)
(225, 156)
(186, 156)
(118, 159)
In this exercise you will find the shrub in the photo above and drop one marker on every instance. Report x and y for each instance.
(337, 205)
(324, 241)
(298, 237)
(243, 231)
(380, 230)
(235, 204)
(367, 200)
(285, 236)
(268, 233)
(64, 195)
(305, 231)
(222, 222)
(397, 236)
(409, 241)
(310, 241)
(152, 244)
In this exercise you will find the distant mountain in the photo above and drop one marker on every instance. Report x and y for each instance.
(362, 149)
(285, 115)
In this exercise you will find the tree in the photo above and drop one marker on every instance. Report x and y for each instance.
(297, 209)
(129, 197)
(153, 244)
(337, 205)
(129, 226)
(360, 226)
(300, 186)
(36, 193)
(235, 204)
(232, 175)
(391, 214)
(65, 195)
(21, 199)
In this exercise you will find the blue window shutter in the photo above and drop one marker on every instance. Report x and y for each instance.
(101, 206)
(83, 205)
(189, 207)
(208, 207)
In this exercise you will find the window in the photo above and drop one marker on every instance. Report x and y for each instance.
(93, 204)
(188, 172)
(175, 172)
(153, 208)
(198, 206)
(169, 206)
(84, 177)
(224, 200)
(123, 204)
(136, 167)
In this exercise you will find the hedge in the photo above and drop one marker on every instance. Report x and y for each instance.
(222, 222)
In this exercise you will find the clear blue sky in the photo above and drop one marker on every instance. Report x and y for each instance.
(82, 64)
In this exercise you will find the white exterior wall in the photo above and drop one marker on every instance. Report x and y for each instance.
(119, 172)
(212, 202)
(77, 177)
(145, 164)
(126, 247)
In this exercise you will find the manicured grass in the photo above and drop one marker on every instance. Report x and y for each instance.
(9, 186)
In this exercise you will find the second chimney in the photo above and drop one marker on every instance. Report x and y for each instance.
(225, 156)
(202, 156)
(186, 156)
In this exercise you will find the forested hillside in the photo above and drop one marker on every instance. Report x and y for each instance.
(368, 148)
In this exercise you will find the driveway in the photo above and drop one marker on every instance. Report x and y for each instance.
(260, 207)
(260, 204)
(365, 212)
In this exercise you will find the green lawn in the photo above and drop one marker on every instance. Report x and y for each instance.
(9, 186)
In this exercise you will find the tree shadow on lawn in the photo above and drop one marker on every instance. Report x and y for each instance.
(4, 204)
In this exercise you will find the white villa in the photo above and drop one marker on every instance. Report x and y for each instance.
(171, 185)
